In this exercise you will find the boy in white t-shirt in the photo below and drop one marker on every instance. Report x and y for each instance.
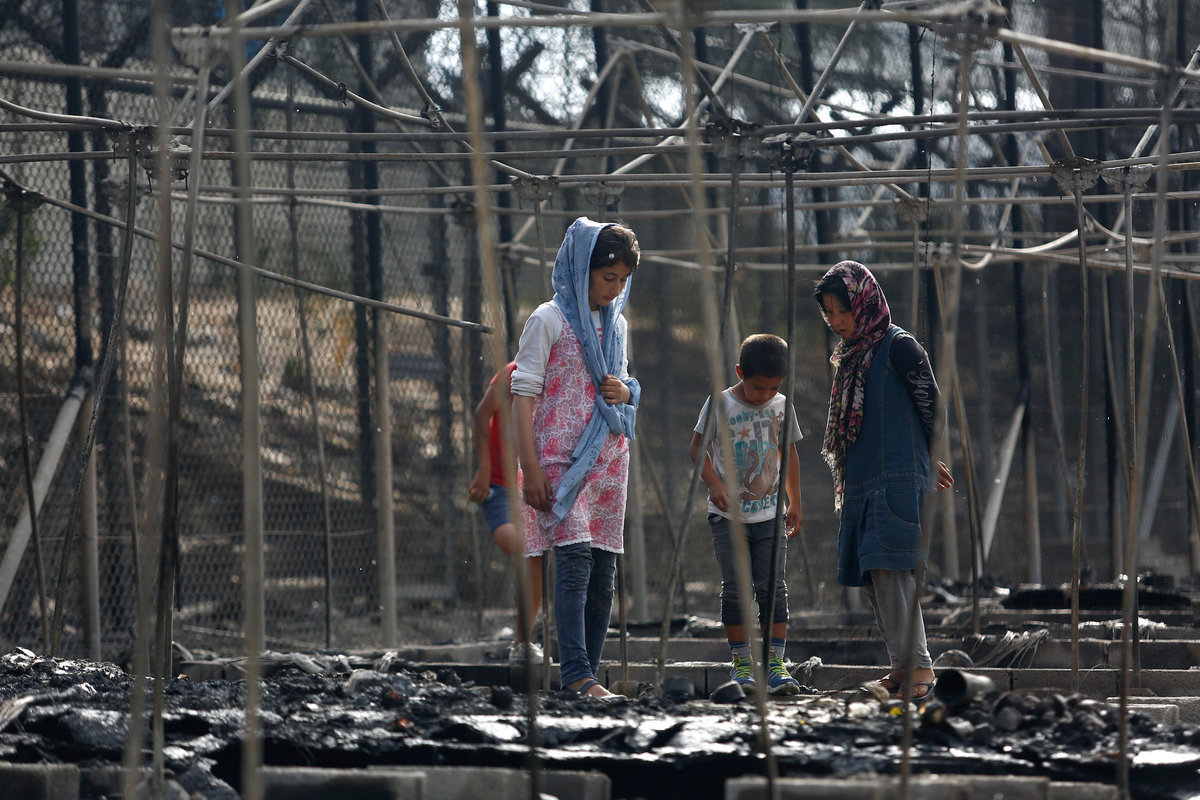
(755, 411)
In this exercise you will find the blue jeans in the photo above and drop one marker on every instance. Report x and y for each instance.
(759, 536)
(583, 593)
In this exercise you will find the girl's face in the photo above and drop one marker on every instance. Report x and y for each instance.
(606, 284)
(838, 317)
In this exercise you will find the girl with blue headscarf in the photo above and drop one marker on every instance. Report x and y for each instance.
(574, 406)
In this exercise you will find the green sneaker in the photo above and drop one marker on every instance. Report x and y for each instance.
(743, 672)
(779, 680)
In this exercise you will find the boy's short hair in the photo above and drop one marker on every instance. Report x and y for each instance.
(616, 242)
(763, 355)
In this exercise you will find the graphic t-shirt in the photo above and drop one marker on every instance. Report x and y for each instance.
(755, 432)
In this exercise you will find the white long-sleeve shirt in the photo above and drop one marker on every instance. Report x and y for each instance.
(542, 330)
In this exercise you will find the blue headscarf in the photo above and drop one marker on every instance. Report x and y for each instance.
(602, 353)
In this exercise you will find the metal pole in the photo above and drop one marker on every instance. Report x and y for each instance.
(385, 526)
(252, 488)
(90, 546)
(25, 203)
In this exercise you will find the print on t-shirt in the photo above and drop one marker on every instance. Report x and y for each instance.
(756, 432)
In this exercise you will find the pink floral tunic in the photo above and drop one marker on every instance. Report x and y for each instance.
(560, 413)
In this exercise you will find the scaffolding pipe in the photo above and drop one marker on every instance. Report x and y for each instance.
(56, 445)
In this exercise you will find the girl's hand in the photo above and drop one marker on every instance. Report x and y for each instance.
(613, 391)
(477, 492)
(944, 479)
(537, 491)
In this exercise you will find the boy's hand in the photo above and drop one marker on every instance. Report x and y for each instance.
(719, 495)
(791, 521)
(537, 489)
(477, 492)
(613, 391)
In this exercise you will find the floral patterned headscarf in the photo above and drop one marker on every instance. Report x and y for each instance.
(852, 358)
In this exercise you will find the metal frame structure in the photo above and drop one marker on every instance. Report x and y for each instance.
(708, 129)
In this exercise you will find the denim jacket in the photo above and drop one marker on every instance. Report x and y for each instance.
(887, 478)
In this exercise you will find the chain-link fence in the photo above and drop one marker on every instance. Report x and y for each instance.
(1019, 334)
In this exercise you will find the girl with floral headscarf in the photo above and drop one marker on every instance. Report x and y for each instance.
(574, 406)
(877, 438)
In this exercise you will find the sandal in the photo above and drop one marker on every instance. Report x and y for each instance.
(583, 690)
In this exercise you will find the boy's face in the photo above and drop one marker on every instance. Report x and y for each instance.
(837, 317)
(606, 284)
(760, 389)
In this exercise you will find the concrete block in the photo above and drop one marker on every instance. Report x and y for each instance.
(1189, 707)
(503, 783)
(754, 787)
(311, 783)
(1082, 791)
(40, 781)
(577, 785)
(463, 783)
(105, 781)
(1163, 713)
(1092, 682)
(1004, 787)
(1170, 682)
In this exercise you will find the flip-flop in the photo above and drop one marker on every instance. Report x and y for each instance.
(888, 684)
(928, 694)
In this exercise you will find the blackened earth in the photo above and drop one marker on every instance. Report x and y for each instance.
(395, 713)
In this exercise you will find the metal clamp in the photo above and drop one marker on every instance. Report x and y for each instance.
(974, 30)
(732, 135)
(535, 189)
(1128, 178)
(20, 199)
(913, 209)
(937, 254)
(789, 152)
(433, 113)
(462, 211)
(601, 193)
(1076, 174)
(179, 157)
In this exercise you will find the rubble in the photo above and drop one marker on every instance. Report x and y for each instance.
(60, 711)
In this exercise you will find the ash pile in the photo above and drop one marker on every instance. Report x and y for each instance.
(342, 711)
